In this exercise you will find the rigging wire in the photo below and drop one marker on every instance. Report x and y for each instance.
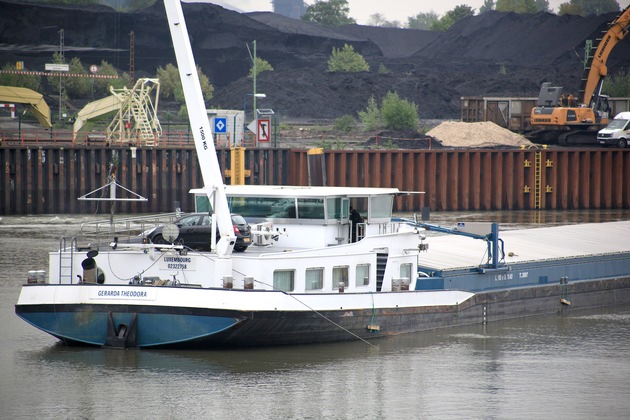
(318, 313)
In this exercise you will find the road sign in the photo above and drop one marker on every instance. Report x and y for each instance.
(253, 126)
(94, 68)
(220, 125)
(264, 127)
(57, 67)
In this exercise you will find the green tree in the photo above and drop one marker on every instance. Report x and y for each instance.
(588, 7)
(56, 82)
(487, 6)
(29, 81)
(399, 114)
(543, 6)
(371, 118)
(347, 60)
(517, 6)
(78, 87)
(171, 85)
(618, 85)
(452, 16)
(378, 19)
(101, 86)
(422, 20)
(169, 80)
(570, 9)
(329, 13)
(261, 65)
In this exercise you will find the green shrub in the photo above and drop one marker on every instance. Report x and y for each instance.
(382, 69)
(371, 118)
(399, 114)
(347, 60)
(618, 85)
(77, 86)
(29, 81)
(346, 123)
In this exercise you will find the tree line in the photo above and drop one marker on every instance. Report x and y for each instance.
(337, 12)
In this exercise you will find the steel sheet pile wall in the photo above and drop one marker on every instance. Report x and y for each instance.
(485, 179)
(49, 180)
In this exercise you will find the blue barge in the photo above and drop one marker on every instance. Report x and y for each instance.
(532, 257)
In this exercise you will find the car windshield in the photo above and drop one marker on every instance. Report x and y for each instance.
(618, 124)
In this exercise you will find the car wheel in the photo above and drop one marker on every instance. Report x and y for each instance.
(622, 143)
(240, 249)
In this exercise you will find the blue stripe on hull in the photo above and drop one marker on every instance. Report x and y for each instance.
(153, 329)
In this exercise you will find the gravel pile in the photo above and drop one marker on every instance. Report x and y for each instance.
(478, 134)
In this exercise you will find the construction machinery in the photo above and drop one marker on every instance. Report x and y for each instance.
(32, 100)
(135, 121)
(574, 120)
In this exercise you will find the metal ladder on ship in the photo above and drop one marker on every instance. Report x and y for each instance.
(66, 257)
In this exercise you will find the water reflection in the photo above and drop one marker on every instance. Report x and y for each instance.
(575, 366)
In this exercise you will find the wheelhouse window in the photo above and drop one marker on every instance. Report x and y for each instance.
(340, 274)
(262, 207)
(381, 206)
(338, 208)
(314, 278)
(284, 280)
(363, 275)
(310, 208)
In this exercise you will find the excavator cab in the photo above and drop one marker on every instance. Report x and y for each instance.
(602, 110)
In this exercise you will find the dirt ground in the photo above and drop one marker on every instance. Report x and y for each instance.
(494, 54)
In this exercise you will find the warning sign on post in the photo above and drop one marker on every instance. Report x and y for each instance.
(264, 127)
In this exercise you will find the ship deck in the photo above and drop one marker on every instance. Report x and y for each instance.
(451, 252)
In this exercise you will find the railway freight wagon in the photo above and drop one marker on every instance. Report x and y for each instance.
(515, 113)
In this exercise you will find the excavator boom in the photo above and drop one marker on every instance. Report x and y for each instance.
(596, 70)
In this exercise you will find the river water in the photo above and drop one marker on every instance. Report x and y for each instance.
(571, 367)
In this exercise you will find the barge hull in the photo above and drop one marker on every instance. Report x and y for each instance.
(220, 328)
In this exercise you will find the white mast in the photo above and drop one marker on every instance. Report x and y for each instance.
(204, 143)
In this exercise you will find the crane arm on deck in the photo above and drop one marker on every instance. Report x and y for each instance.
(496, 253)
(200, 127)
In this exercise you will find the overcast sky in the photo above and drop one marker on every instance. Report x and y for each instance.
(400, 10)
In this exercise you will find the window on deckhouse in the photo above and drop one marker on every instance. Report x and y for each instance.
(363, 275)
(314, 278)
(284, 280)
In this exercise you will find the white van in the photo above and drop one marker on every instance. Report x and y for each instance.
(617, 132)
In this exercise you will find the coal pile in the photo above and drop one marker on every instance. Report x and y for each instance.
(494, 54)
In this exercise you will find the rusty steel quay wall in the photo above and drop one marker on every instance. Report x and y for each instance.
(48, 180)
(554, 179)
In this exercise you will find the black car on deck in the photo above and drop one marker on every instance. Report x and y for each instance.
(195, 231)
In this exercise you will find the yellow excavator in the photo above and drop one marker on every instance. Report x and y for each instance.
(568, 120)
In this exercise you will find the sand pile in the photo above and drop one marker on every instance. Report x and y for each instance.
(478, 134)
